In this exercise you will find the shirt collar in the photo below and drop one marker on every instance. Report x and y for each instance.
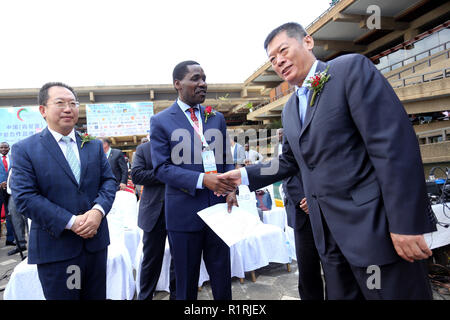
(309, 75)
(185, 107)
(58, 135)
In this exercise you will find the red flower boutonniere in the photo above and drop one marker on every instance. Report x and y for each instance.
(86, 138)
(316, 83)
(209, 112)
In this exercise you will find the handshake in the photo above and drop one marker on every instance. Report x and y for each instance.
(223, 183)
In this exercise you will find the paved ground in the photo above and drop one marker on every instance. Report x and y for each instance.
(273, 282)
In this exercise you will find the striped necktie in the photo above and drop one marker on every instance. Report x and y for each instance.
(72, 158)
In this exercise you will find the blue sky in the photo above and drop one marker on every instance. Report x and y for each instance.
(96, 42)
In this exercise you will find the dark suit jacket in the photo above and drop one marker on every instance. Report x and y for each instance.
(152, 198)
(118, 165)
(293, 190)
(360, 163)
(171, 131)
(46, 191)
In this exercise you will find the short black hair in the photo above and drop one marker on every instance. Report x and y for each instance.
(180, 70)
(43, 92)
(106, 139)
(293, 30)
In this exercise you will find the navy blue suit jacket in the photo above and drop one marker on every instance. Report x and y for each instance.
(360, 163)
(293, 190)
(152, 198)
(172, 134)
(118, 166)
(46, 191)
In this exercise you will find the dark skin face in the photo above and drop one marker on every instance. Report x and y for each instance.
(192, 88)
(4, 149)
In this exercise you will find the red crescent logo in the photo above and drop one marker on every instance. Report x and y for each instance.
(18, 113)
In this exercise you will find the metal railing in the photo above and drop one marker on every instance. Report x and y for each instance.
(440, 135)
(428, 52)
(438, 75)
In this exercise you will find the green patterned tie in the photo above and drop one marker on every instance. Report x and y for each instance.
(72, 159)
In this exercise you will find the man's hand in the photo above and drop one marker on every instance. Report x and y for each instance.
(220, 187)
(304, 206)
(411, 247)
(232, 201)
(123, 186)
(232, 176)
(89, 223)
(3, 185)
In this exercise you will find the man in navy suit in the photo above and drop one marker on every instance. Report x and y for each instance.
(117, 162)
(361, 168)
(182, 139)
(65, 190)
(151, 220)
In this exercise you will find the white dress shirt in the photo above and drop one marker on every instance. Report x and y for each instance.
(185, 108)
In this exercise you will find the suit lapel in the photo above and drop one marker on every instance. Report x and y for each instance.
(54, 150)
(179, 118)
(84, 157)
(311, 110)
(292, 114)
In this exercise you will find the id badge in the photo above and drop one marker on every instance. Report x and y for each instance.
(209, 161)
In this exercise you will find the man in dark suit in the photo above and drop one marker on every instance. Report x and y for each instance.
(182, 140)
(151, 220)
(5, 167)
(65, 190)
(361, 168)
(310, 284)
(117, 162)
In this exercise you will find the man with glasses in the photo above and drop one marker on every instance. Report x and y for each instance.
(65, 190)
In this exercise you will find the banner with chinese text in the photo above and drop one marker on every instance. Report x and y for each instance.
(17, 123)
(119, 119)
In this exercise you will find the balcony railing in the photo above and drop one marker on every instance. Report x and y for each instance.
(433, 136)
(407, 60)
(438, 75)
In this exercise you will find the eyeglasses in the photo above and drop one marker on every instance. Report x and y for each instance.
(63, 104)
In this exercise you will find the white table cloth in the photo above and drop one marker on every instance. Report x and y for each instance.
(277, 217)
(124, 235)
(24, 283)
(164, 277)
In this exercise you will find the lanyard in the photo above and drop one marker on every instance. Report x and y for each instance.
(197, 129)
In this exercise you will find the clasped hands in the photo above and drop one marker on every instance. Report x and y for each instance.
(86, 225)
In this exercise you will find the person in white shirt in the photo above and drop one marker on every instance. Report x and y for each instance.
(252, 155)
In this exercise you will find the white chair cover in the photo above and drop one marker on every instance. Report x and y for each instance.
(24, 283)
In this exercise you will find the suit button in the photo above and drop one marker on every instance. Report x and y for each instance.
(314, 196)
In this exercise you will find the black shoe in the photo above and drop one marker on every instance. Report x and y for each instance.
(16, 250)
(9, 243)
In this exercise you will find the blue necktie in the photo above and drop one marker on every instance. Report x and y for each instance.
(72, 158)
(302, 93)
